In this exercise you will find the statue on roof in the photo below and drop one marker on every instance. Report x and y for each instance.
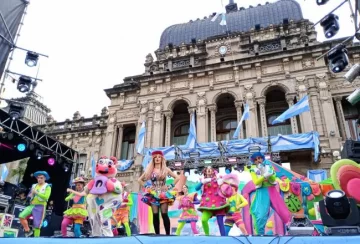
(149, 60)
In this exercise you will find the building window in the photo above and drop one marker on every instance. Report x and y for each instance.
(281, 128)
(128, 144)
(351, 114)
(225, 129)
(181, 134)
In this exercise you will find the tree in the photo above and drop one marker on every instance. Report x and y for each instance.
(20, 170)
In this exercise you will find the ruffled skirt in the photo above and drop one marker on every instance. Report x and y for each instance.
(151, 197)
(76, 213)
(188, 216)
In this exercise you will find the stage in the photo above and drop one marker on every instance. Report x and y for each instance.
(147, 239)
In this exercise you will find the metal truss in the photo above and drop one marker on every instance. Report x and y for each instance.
(35, 136)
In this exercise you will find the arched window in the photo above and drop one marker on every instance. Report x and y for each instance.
(181, 134)
(283, 128)
(351, 114)
(128, 143)
(225, 129)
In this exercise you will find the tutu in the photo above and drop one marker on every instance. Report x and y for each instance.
(76, 213)
(188, 216)
(151, 197)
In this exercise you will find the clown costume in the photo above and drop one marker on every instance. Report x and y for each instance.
(121, 215)
(266, 195)
(39, 196)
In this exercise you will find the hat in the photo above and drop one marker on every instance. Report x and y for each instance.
(44, 173)
(226, 190)
(255, 155)
(231, 179)
(78, 180)
(154, 153)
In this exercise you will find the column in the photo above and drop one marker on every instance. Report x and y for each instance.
(201, 124)
(157, 132)
(168, 116)
(238, 106)
(149, 129)
(119, 141)
(340, 113)
(113, 143)
(110, 135)
(264, 130)
(212, 109)
(294, 126)
(252, 122)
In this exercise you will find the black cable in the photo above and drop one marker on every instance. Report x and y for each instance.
(238, 240)
(289, 239)
(138, 239)
(276, 237)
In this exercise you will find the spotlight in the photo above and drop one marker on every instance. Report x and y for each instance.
(15, 111)
(239, 167)
(254, 149)
(31, 59)
(354, 72)
(321, 2)
(354, 97)
(330, 24)
(8, 136)
(39, 154)
(66, 166)
(21, 147)
(337, 204)
(51, 161)
(24, 84)
(228, 169)
(193, 155)
(186, 172)
(337, 59)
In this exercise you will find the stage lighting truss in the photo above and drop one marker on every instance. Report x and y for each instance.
(321, 2)
(35, 137)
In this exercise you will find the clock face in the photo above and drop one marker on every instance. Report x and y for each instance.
(223, 50)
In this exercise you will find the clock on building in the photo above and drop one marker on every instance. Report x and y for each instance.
(223, 50)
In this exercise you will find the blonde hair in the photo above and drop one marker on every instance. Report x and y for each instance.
(150, 168)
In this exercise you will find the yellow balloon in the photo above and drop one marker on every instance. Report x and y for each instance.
(312, 212)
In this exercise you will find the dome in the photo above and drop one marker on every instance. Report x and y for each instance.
(240, 21)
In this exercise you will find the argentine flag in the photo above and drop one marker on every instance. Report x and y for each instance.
(191, 140)
(4, 173)
(245, 116)
(298, 108)
(93, 164)
(141, 139)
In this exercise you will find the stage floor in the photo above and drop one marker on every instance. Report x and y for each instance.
(143, 239)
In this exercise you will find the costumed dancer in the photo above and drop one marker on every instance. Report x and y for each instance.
(236, 202)
(77, 213)
(266, 195)
(104, 196)
(39, 195)
(159, 196)
(212, 204)
(188, 215)
(121, 215)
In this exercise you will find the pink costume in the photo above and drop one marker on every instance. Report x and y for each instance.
(189, 215)
(105, 195)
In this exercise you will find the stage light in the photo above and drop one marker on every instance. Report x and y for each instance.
(31, 59)
(186, 172)
(338, 59)
(321, 2)
(66, 167)
(193, 155)
(330, 24)
(8, 136)
(337, 204)
(39, 154)
(24, 84)
(353, 73)
(228, 169)
(15, 111)
(21, 147)
(51, 161)
(254, 149)
(354, 97)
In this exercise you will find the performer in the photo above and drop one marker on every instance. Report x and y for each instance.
(189, 215)
(158, 195)
(266, 195)
(77, 213)
(212, 204)
(104, 196)
(236, 202)
(121, 215)
(39, 196)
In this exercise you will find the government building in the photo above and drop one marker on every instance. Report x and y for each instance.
(265, 56)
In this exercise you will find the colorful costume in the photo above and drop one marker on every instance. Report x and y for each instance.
(157, 196)
(212, 204)
(236, 202)
(266, 195)
(121, 215)
(37, 207)
(76, 214)
(105, 196)
(189, 215)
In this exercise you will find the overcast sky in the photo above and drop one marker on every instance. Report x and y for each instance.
(94, 44)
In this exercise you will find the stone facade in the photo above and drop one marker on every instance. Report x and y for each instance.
(270, 69)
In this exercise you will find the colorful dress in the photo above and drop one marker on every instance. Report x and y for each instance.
(266, 196)
(186, 203)
(77, 212)
(121, 215)
(158, 196)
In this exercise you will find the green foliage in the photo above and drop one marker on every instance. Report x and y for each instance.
(20, 170)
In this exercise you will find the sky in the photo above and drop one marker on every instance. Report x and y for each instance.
(92, 45)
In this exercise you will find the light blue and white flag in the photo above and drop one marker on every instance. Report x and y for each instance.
(215, 17)
(191, 140)
(298, 108)
(245, 116)
(223, 19)
(141, 139)
(4, 173)
(93, 164)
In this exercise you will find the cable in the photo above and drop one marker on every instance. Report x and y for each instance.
(238, 240)
(289, 239)
(138, 239)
